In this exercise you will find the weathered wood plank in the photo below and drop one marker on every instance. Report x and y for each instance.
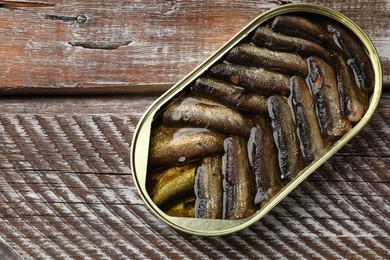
(55, 128)
(7, 252)
(312, 216)
(66, 191)
(107, 46)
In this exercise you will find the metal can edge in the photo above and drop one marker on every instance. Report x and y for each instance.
(140, 142)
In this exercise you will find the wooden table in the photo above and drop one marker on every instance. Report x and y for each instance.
(75, 78)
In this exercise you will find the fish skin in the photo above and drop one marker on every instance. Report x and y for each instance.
(265, 37)
(188, 209)
(203, 113)
(323, 84)
(301, 27)
(311, 141)
(283, 62)
(174, 146)
(230, 95)
(196, 144)
(285, 137)
(352, 107)
(263, 160)
(238, 183)
(255, 79)
(208, 188)
(356, 55)
(172, 184)
(183, 208)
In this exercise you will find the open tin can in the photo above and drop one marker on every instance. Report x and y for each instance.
(335, 52)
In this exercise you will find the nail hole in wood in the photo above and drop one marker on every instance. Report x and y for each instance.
(81, 19)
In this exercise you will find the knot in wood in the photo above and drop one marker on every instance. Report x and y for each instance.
(81, 19)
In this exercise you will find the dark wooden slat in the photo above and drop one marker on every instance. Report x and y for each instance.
(66, 191)
(53, 121)
(62, 47)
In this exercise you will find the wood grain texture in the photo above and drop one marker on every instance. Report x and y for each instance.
(7, 252)
(62, 46)
(66, 191)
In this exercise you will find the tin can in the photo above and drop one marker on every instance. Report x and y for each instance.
(142, 136)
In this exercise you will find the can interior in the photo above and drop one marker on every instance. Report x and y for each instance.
(142, 136)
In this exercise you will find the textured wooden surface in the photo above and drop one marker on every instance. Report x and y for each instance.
(68, 46)
(66, 189)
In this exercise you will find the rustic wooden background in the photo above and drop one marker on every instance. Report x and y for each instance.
(75, 78)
